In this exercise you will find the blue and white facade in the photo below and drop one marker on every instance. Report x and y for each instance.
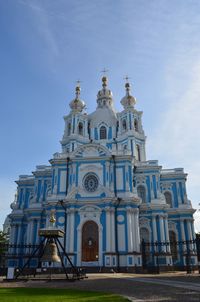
(106, 195)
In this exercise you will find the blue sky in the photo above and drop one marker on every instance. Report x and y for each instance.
(47, 45)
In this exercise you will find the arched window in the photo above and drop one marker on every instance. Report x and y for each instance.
(168, 197)
(103, 132)
(173, 245)
(124, 127)
(136, 125)
(142, 193)
(69, 129)
(138, 153)
(80, 128)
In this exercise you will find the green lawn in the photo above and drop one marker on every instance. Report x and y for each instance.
(55, 295)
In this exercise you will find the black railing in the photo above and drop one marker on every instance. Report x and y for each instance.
(182, 255)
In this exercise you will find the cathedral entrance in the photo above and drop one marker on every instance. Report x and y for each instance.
(90, 242)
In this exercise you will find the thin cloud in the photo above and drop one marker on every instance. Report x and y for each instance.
(42, 24)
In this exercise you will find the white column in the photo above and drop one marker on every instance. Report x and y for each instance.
(155, 235)
(133, 226)
(71, 231)
(183, 233)
(111, 182)
(130, 230)
(190, 234)
(127, 180)
(108, 231)
(178, 193)
(162, 233)
(30, 234)
(137, 231)
(112, 227)
(151, 187)
(167, 234)
(68, 230)
(55, 187)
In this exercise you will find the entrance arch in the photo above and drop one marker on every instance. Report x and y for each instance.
(90, 241)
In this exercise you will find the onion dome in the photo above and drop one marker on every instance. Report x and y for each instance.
(104, 96)
(128, 100)
(77, 104)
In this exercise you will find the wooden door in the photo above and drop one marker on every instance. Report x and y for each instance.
(90, 242)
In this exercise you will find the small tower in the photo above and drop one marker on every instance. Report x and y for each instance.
(76, 123)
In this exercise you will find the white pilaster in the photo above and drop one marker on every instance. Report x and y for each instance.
(112, 228)
(155, 235)
(108, 231)
(130, 229)
(167, 233)
(71, 243)
(183, 233)
(151, 187)
(162, 232)
(189, 227)
(137, 231)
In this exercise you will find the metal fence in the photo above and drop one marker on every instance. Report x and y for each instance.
(173, 255)
(156, 256)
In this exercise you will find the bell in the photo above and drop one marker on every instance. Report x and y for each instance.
(50, 253)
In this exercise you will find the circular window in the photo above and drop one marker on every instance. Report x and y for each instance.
(91, 183)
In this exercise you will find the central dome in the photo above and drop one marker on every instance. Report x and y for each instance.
(105, 111)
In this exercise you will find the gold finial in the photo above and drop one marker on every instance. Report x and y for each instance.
(52, 218)
(78, 88)
(104, 78)
(127, 84)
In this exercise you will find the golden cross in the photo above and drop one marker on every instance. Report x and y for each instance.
(127, 78)
(104, 71)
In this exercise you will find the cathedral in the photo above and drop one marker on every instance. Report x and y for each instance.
(107, 197)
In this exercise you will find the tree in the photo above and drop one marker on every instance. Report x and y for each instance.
(3, 247)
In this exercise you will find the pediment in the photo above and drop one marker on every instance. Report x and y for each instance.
(90, 150)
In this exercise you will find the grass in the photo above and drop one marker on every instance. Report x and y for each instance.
(55, 295)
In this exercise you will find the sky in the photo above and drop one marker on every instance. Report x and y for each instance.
(47, 45)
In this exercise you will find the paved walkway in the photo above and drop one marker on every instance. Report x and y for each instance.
(179, 284)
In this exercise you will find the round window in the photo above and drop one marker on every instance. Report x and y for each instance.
(91, 183)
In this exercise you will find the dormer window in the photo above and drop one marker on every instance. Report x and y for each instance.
(136, 125)
(103, 132)
(124, 126)
(80, 128)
